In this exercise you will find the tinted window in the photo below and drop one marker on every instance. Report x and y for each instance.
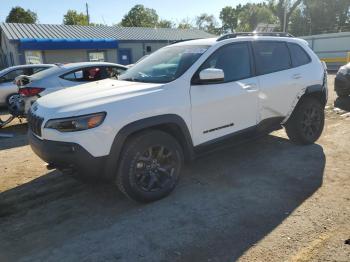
(38, 69)
(233, 59)
(298, 54)
(13, 74)
(86, 74)
(271, 57)
(114, 72)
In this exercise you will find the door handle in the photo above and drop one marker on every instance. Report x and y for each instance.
(297, 76)
(250, 87)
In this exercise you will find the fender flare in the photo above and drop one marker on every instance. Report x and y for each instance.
(313, 89)
(146, 123)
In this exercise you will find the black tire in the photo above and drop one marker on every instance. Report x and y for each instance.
(150, 166)
(342, 94)
(306, 123)
(9, 97)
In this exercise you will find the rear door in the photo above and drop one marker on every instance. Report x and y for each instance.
(219, 109)
(278, 83)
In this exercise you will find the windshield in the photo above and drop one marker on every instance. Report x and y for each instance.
(165, 65)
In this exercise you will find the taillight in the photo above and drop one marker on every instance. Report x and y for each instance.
(30, 91)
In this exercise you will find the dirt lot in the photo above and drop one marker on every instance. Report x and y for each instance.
(269, 200)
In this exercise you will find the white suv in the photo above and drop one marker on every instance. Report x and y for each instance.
(178, 102)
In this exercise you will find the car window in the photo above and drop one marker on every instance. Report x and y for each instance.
(10, 76)
(38, 69)
(299, 55)
(233, 59)
(271, 57)
(114, 72)
(88, 74)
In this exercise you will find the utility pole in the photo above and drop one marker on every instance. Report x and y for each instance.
(285, 26)
(87, 14)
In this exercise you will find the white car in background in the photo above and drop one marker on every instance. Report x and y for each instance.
(59, 77)
(7, 76)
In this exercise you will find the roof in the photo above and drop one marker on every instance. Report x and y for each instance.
(14, 31)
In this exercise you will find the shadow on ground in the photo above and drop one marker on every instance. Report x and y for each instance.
(19, 133)
(224, 204)
(343, 103)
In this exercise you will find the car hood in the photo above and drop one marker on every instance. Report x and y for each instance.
(75, 99)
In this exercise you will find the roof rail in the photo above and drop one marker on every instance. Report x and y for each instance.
(234, 35)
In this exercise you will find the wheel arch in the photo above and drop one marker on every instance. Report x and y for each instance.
(317, 91)
(169, 123)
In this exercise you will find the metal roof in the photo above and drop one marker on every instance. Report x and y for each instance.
(15, 31)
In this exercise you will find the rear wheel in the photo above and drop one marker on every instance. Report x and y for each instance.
(306, 124)
(150, 166)
(12, 99)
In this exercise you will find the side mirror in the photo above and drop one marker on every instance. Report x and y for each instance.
(211, 75)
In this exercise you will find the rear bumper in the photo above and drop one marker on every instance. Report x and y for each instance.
(63, 155)
(342, 84)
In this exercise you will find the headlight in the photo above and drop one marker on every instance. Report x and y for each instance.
(78, 123)
(343, 70)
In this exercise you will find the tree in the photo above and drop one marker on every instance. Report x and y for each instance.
(229, 18)
(320, 16)
(19, 15)
(207, 23)
(185, 24)
(165, 24)
(278, 9)
(299, 22)
(250, 15)
(72, 17)
(140, 16)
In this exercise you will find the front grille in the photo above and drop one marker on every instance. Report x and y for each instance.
(35, 122)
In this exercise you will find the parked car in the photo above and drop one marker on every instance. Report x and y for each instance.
(60, 77)
(177, 103)
(342, 81)
(7, 76)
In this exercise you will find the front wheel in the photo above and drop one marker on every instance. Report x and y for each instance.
(150, 166)
(306, 124)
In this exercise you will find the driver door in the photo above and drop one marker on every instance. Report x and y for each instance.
(222, 108)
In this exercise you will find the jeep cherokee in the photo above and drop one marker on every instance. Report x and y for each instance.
(177, 103)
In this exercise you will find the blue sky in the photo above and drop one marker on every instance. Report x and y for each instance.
(112, 11)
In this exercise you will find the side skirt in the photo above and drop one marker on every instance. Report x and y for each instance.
(263, 128)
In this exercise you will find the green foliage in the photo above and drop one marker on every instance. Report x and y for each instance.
(320, 16)
(278, 9)
(299, 22)
(19, 15)
(165, 24)
(207, 23)
(140, 16)
(250, 15)
(72, 17)
(185, 24)
(327, 16)
(229, 18)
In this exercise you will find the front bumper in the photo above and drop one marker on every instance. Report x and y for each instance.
(342, 83)
(64, 155)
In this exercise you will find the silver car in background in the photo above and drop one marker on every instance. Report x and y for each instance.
(59, 77)
(7, 76)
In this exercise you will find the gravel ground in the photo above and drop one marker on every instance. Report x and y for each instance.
(268, 200)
